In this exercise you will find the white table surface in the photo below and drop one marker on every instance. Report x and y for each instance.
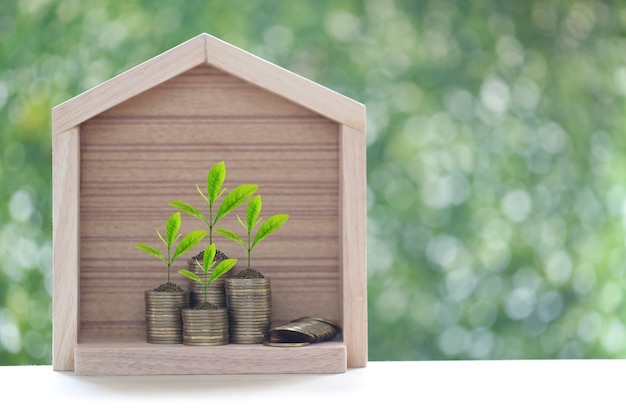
(444, 388)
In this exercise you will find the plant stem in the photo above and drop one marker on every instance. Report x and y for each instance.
(249, 248)
(210, 222)
(169, 265)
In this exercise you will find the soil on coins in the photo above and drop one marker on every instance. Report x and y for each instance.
(205, 305)
(219, 257)
(169, 287)
(249, 274)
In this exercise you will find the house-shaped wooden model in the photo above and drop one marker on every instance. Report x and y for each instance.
(126, 148)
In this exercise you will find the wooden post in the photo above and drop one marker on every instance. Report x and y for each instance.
(66, 251)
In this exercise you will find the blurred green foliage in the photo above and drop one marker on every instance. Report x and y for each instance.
(496, 159)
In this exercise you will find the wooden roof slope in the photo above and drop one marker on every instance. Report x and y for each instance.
(207, 49)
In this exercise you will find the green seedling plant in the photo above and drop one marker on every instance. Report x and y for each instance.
(172, 235)
(208, 263)
(215, 190)
(253, 210)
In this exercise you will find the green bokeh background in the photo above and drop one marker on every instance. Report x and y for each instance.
(496, 159)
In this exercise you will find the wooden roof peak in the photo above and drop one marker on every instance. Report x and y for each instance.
(207, 49)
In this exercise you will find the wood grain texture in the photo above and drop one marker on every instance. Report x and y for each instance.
(130, 358)
(65, 241)
(354, 244)
(141, 155)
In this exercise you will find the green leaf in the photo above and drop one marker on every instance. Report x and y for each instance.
(215, 180)
(190, 275)
(172, 228)
(253, 210)
(245, 227)
(222, 268)
(234, 199)
(209, 256)
(188, 209)
(231, 235)
(271, 225)
(150, 251)
(162, 239)
(188, 242)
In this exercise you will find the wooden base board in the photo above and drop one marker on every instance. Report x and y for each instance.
(141, 358)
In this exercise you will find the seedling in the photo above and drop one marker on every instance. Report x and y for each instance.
(206, 265)
(171, 236)
(214, 190)
(253, 211)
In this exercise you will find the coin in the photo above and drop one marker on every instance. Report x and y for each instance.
(285, 344)
(323, 320)
(205, 326)
(306, 329)
(163, 317)
(249, 309)
(291, 336)
(205, 342)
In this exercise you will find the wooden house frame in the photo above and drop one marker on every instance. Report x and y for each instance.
(123, 149)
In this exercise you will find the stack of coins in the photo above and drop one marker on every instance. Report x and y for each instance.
(205, 327)
(163, 320)
(249, 302)
(306, 330)
(215, 291)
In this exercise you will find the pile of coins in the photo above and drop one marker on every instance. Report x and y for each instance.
(205, 327)
(163, 320)
(249, 302)
(215, 291)
(306, 330)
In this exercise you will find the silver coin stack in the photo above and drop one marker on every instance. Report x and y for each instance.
(215, 291)
(163, 318)
(249, 302)
(205, 327)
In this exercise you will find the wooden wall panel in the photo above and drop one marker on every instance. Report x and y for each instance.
(66, 251)
(140, 155)
(353, 236)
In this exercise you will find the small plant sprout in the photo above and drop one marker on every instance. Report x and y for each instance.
(207, 264)
(253, 211)
(214, 190)
(171, 237)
